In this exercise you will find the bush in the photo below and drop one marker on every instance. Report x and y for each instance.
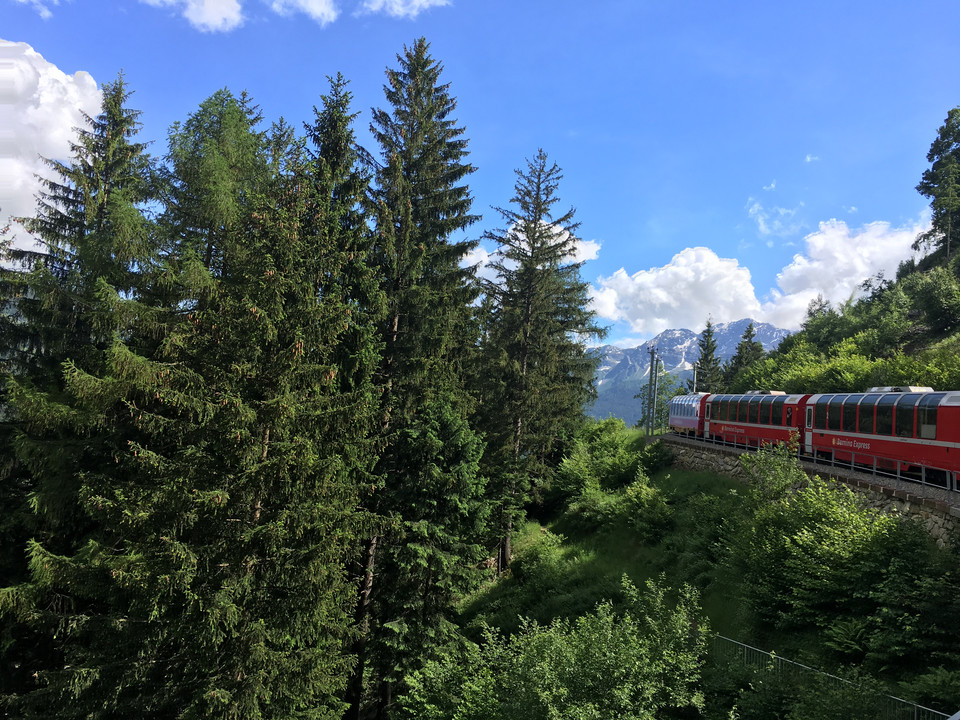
(645, 508)
(654, 457)
(595, 508)
(601, 455)
(641, 662)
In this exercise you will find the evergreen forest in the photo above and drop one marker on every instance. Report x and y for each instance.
(273, 449)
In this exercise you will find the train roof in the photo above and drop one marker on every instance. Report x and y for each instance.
(948, 397)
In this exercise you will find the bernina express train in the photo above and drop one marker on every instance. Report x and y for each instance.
(907, 431)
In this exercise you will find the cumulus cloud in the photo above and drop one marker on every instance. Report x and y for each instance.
(206, 15)
(586, 250)
(40, 106)
(775, 220)
(696, 283)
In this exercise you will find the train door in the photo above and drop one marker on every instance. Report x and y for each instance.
(808, 435)
(706, 421)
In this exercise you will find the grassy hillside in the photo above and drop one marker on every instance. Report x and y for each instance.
(811, 574)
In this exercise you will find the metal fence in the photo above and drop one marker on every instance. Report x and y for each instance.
(888, 707)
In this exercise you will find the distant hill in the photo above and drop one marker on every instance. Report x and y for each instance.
(624, 371)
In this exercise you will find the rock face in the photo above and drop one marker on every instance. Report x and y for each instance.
(931, 507)
(624, 371)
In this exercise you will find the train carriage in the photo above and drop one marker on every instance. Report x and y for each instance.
(686, 413)
(906, 430)
(754, 419)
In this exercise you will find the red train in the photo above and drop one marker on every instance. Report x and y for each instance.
(911, 432)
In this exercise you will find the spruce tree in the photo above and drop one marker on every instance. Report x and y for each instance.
(539, 372)
(709, 372)
(941, 183)
(431, 501)
(224, 508)
(91, 239)
(748, 352)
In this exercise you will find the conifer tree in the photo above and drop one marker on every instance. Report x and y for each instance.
(709, 372)
(225, 508)
(539, 372)
(90, 235)
(941, 183)
(748, 352)
(431, 500)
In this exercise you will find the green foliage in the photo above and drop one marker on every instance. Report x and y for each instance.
(424, 548)
(643, 662)
(602, 453)
(655, 456)
(801, 695)
(748, 352)
(941, 183)
(709, 370)
(668, 386)
(939, 687)
(215, 448)
(538, 371)
(938, 294)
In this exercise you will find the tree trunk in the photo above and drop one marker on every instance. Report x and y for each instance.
(354, 694)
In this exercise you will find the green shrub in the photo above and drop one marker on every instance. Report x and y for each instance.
(595, 508)
(645, 508)
(654, 457)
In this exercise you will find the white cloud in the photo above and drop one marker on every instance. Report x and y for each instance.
(694, 284)
(836, 259)
(481, 257)
(40, 106)
(402, 8)
(697, 282)
(775, 220)
(586, 250)
(226, 15)
(206, 15)
(771, 186)
(321, 11)
(810, 158)
(41, 7)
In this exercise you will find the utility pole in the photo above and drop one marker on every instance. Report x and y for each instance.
(651, 390)
(656, 392)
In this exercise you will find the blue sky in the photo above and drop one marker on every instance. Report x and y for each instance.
(726, 159)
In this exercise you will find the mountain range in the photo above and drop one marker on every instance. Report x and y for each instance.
(622, 372)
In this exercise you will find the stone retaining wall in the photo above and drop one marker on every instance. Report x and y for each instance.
(935, 509)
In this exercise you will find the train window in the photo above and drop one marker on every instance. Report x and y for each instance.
(927, 415)
(905, 407)
(850, 413)
(865, 421)
(765, 406)
(820, 413)
(885, 414)
(724, 409)
(735, 409)
(754, 411)
(777, 412)
(833, 414)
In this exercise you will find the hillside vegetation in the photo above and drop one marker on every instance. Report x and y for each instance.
(782, 563)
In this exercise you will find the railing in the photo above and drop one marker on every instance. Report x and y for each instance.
(874, 465)
(889, 707)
